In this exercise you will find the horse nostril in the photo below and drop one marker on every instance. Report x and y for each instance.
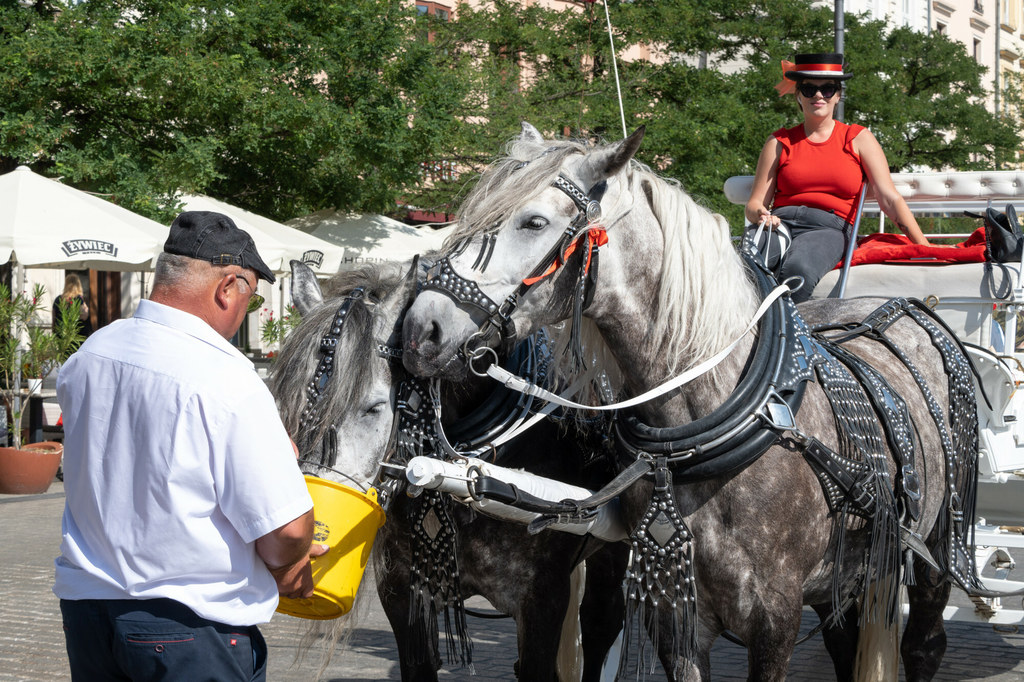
(435, 333)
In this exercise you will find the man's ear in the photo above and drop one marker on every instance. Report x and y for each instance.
(222, 295)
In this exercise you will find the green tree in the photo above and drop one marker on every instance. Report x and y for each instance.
(522, 63)
(922, 96)
(286, 107)
(281, 107)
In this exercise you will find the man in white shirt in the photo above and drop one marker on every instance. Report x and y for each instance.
(186, 512)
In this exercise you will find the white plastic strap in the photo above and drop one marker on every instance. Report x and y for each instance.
(768, 237)
(522, 427)
(510, 380)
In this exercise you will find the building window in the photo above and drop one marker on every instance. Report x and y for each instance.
(1010, 11)
(940, 28)
(979, 6)
(439, 170)
(977, 50)
(436, 12)
(434, 9)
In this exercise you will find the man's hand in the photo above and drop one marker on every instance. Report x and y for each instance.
(296, 580)
(286, 551)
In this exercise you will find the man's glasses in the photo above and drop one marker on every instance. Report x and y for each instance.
(810, 90)
(255, 301)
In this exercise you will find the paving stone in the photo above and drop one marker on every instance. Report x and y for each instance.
(32, 643)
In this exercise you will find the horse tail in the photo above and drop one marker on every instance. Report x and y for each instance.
(323, 639)
(878, 643)
(569, 664)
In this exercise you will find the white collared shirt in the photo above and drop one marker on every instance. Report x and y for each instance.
(175, 462)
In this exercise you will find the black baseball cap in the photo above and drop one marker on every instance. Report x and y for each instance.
(214, 237)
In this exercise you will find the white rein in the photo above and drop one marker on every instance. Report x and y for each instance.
(516, 383)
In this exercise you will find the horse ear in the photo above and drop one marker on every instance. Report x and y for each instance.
(530, 134)
(306, 293)
(392, 308)
(614, 157)
(407, 291)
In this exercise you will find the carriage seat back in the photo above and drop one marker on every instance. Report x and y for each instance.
(930, 191)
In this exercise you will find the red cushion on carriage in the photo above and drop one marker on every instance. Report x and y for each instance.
(897, 248)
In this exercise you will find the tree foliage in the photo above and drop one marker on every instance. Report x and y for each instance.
(279, 106)
(285, 107)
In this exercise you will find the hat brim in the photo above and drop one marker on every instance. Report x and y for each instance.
(824, 75)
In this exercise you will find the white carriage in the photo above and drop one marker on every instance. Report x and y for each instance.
(982, 303)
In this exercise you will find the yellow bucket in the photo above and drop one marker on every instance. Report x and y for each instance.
(347, 521)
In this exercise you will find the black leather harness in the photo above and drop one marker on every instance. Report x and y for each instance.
(738, 431)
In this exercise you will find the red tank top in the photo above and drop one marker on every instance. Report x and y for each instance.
(825, 175)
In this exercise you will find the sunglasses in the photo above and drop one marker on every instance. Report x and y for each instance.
(810, 90)
(255, 301)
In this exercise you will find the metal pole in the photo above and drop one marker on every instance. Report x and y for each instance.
(995, 74)
(840, 28)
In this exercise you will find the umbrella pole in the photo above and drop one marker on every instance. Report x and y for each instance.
(19, 284)
(281, 306)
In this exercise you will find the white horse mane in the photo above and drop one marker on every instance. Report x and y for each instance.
(507, 183)
(705, 297)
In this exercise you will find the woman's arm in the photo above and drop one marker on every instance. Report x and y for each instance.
(763, 191)
(876, 167)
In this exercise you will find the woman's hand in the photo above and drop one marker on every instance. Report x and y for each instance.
(764, 217)
(762, 192)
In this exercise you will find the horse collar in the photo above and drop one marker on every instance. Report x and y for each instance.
(738, 431)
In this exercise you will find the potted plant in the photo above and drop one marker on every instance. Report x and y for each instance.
(273, 332)
(27, 346)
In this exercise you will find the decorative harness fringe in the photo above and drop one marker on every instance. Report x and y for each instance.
(434, 572)
(869, 414)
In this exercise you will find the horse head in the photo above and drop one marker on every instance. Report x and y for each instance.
(524, 256)
(333, 379)
(502, 276)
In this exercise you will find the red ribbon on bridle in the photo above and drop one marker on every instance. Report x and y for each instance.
(596, 235)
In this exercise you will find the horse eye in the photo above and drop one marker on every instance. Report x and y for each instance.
(535, 223)
(377, 408)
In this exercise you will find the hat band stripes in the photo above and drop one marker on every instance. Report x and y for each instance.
(820, 67)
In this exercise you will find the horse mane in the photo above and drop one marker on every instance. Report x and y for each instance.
(299, 356)
(705, 296)
(505, 184)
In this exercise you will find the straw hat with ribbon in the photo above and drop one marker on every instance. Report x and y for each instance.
(814, 65)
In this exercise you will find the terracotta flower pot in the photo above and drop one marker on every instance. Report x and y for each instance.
(29, 470)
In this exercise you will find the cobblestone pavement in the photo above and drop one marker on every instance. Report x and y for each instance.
(32, 646)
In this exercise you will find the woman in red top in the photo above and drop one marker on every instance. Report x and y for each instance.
(808, 176)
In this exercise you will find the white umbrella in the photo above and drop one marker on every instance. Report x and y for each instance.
(46, 224)
(277, 243)
(369, 238)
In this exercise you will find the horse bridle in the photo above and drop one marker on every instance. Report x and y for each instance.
(443, 277)
(325, 369)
